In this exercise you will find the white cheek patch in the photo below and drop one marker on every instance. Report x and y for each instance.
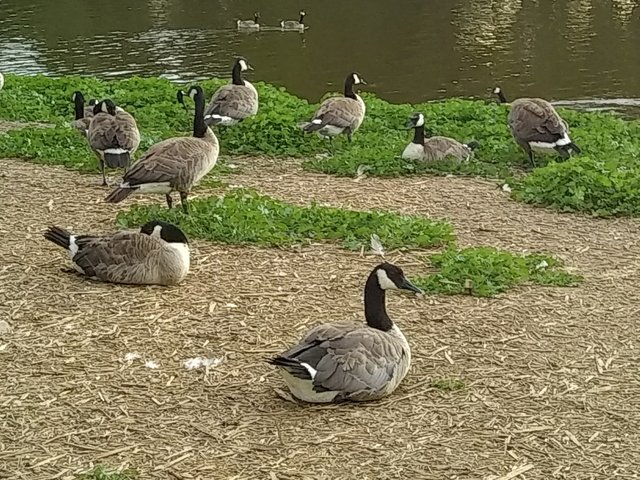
(356, 79)
(420, 121)
(384, 281)
(243, 65)
(156, 231)
(104, 108)
(496, 90)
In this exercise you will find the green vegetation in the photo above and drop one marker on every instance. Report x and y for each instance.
(101, 473)
(491, 271)
(601, 181)
(244, 217)
(448, 384)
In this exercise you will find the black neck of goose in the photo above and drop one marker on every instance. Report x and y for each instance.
(501, 97)
(418, 135)
(236, 75)
(199, 127)
(301, 19)
(349, 92)
(79, 107)
(375, 310)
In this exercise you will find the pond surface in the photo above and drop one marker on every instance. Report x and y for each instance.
(408, 50)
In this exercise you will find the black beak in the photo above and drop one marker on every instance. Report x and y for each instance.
(180, 96)
(407, 285)
(362, 81)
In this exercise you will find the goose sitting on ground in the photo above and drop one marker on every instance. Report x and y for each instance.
(294, 25)
(233, 103)
(113, 134)
(434, 148)
(83, 113)
(249, 24)
(536, 127)
(175, 164)
(338, 115)
(158, 254)
(347, 362)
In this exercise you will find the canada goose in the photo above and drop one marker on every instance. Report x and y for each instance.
(1, 81)
(249, 24)
(233, 103)
(347, 362)
(536, 127)
(175, 164)
(338, 115)
(434, 148)
(113, 134)
(158, 254)
(83, 113)
(295, 25)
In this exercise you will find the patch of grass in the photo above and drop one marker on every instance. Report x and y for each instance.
(448, 384)
(102, 473)
(491, 271)
(244, 217)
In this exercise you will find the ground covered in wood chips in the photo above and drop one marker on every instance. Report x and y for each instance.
(551, 384)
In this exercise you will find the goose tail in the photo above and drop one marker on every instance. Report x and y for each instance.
(293, 367)
(59, 236)
(312, 126)
(567, 150)
(119, 194)
(117, 158)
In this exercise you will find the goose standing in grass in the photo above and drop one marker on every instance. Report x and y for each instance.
(436, 147)
(338, 115)
(175, 164)
(294, 25)
(157, 254)
(233, 103)
(249, 24)
(113, 134)
(536, 127)
(83, 112)
(337, 362)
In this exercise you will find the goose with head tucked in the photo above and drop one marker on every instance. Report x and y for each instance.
(537, 127)
(339, 115)
(294, 25)
(113, 135)
(249, 24)
(83, 112)
(434, 148)
(157, 254)
(175, 164)
(336, 362)
(233, 103)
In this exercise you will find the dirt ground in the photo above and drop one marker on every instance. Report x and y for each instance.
(551, 375)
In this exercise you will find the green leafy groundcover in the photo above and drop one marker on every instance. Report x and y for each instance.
(601, 181)
(491, 271)
(243, 216)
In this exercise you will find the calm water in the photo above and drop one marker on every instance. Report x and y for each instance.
(408, 50)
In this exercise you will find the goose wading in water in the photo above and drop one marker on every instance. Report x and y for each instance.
(157, 254)
(83, 112)
(175, 164)
(113, 135)
(434, 148)
(339, 115)
(536, 127)
(249, 24)
(232, 103)
(336, 362)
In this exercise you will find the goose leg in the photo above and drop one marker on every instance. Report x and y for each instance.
(183, 201)
(169, 200)
(531, 159)
(104, 176)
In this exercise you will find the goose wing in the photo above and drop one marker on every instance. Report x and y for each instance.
(127, 134)
(339, 111)
(234, 101)
(120, 258)
(346, 360)
(439, 148)
(170, 161)
(102, 132)
(535, 120)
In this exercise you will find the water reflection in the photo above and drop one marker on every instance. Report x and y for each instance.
(411, 50)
